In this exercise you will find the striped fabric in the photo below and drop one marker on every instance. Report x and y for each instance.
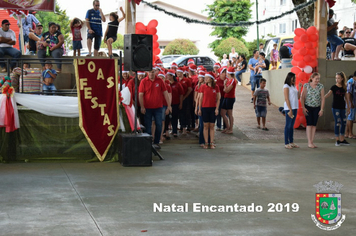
(32, 81)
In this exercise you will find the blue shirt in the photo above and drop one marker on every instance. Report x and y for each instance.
(351, 84)
(27, 23)
(45, 74)
(95, 21)
(253, 62)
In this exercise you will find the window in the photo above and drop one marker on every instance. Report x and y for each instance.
(294, 25)
(282, 2)
(282, 28)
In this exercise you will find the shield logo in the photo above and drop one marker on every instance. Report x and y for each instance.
(328, 207)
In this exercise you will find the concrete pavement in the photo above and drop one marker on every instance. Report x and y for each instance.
(249, 167)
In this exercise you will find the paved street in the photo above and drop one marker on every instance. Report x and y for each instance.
(249, 168)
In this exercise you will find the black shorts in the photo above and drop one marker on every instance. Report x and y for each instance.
(208, 114)
(313, 115)
(114, 38)
(228, 103)
(97, 41)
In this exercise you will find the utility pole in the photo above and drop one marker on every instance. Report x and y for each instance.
(130, 20)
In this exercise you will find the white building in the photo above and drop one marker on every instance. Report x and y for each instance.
(344, 10)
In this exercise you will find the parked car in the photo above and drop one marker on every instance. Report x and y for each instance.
(205, 61)
(280, 41)
(167, 59)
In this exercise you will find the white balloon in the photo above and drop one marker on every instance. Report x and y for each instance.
(308, 69)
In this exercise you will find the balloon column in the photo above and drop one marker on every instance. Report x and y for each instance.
(152, 30)
(304, 60)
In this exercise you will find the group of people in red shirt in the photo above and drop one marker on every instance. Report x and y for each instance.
(189, 95)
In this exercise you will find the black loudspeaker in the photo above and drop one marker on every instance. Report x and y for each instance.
(135, 149)
(138, 52)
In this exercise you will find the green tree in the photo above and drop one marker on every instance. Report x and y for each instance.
(305, 15)
(226, 45)
(118, 44)
(232, 11)
(181, 47)
(59, 17)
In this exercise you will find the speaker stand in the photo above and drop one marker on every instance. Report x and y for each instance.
(156, 153)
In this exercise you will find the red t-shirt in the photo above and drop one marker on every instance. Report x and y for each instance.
(169, 90)
(186, 83)
(131, 86)
(230, 94)
(220, 83)
(209, 95)
(194, 80)
(152, 92)
(177, 90)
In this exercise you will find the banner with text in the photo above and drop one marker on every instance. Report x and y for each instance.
(98, 102)
(38, 5)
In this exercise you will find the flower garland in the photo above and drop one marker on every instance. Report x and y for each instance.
(240, 23)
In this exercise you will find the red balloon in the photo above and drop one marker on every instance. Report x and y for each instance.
(294, 62)
(296, 123)
(299, 31)
(303, 120)
(303, 51)
(315, 44)
(313, 63)
(155, 37)
(309, 45)
(313, 38)
(296, 38)
(294, 51)
(140, 25)
(312, 30)
(152, 24)
(296, 70)
(311, 52)
(307, 58)
(156, 51)
(155, 44)
(302, 76)
(298, 57)
(141, 31)
(304, 38)
(298, 45)
(301, 64)
(152, 31)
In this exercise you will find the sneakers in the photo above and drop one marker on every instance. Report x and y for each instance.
(239, 83)
(341, 143)
(248, 83)
(344, 142)
(251, 100)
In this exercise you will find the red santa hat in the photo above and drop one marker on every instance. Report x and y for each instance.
(201, 73)
(231, 70)
(171, 72)
(221, 70)
(174, 65)
(192, 67)
(180, 69)
(186, 69)
(217, 64)
(210, 74)
(159, 62)
(162, 74)
(190, 61)
(140, 73)
(123, 70)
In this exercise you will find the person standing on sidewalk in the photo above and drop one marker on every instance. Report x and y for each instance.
(291, 96)
(338, 108)
(313, 101)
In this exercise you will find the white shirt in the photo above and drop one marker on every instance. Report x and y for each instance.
(224, 62)
(7, 34)
(232, 54)
(293, 97)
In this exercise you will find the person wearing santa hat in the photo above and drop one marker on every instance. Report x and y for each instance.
(177, 102)
(190, 61)
(194, 80)
(209, 101)
(201, 78)
(125, 77)
(150, 97)
(216, 68)
(174, 66)
(131, 86)
(220, 82)
(229, 100)
(187, 86)
(162, 75)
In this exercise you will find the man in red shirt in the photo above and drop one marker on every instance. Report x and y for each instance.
(151, 101)
(184, 114)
